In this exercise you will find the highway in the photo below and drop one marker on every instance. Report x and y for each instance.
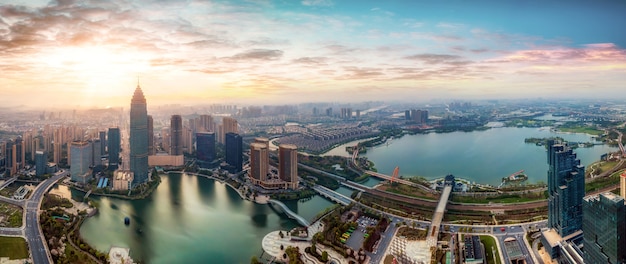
(34, 236)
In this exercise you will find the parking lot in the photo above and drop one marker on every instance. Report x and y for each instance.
(356, 239)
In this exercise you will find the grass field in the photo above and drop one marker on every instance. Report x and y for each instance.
(581, 129)
(13, 247)
(490, 248)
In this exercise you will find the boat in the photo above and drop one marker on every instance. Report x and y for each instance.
(127, 220)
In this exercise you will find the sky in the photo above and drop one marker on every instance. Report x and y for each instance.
(93, 53)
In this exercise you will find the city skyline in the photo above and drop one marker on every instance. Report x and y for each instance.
(91, 54)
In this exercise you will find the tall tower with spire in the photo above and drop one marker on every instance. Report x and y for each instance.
(139, 137)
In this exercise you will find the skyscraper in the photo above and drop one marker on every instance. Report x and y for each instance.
(234, 152)
(41, 163)
(103, 142)
(604, 229)
(113, 144)
(566, 188)
(176, 135)
(259, 161)
(139, 137)
(229, 125)
(80, 155)
(205, 143)
(288, 164)
(95, 152)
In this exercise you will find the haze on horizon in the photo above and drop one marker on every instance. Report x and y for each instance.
(90, 53)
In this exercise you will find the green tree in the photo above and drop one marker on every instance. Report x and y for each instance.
(254, 260)
(324, 256)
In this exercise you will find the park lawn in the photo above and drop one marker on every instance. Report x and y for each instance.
(13, 248)
(490, 243)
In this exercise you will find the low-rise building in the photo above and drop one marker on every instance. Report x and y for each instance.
(122, 180)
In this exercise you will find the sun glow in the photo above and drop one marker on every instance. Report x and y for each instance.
(99, 70)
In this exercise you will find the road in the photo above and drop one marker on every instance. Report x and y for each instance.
(19, 203)
(34, 236)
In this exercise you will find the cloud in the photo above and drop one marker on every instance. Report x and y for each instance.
(430, 58)
(258, 54)
(317, 2)
(311, 60)
(603, 52)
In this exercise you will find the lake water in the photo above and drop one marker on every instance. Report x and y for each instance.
(190, 219)
(480, 156)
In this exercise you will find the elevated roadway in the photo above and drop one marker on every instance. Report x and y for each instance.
(7, 182)
(289, 213)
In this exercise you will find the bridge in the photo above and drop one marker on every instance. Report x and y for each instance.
(332, 195)
(7, 182)
(87, 195)
(289, 213)
(355, 186)
(433, 233)
(390, 178)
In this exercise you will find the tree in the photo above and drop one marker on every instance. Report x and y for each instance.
(324, 255)
(254, 260)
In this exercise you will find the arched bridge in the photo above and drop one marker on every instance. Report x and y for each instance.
(289, 213)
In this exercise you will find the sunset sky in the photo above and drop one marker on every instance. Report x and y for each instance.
(90, 53)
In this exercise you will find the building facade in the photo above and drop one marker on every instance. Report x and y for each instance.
(113, 146)
(234, 152)
(139, 137)
(176, 135)
(41, 163)
(151, 150)
(80, 156)
(566, 188)
(604, 229)
(288, 164)
(259, 162)
(205, 145)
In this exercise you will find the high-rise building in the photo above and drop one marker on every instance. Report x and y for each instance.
(41, 163)
(288, 164)
(176, 135)
(604, 229)
(566, 188)
(57, 144)
(229, 125)
(234, 152)
(205, 143)
(8, 157)
(19, 154)
(103, 142)
(259, 161)
(139, 137)
(80, 155)
(95, 152)
(419, 116)
(151, 150)
(622, 184)
(113, 145)
(207, 124)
